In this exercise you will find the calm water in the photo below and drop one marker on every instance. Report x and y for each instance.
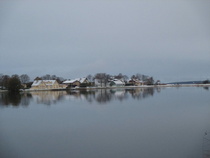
(131, 123)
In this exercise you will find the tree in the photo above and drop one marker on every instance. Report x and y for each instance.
(119, 76)
(125, 78)
(46, 77)
(24, 78)
(140, 76)
(145, 78)
(103, 78)
(53, 77)
(133, 77)
(1, 80)
(90, 78)
(14, 84)
(206, 82)
(5, 81)
(150, 81)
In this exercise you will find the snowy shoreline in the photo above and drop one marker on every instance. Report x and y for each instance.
(125, 87)
(121, 87)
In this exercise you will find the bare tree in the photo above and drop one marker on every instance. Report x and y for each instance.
(90, 78)
(24, 78)
(119, 76)
(133, 77)
(125, 78)
(103, 78)
(54, 77)
(46, 77)
(5, 81)
(139, 76)
(1, 80)
(145, 78)
(150, 81)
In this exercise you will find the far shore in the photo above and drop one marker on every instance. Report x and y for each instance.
(121, 87)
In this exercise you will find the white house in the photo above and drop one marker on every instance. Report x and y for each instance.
(117, 83)
(76, 82)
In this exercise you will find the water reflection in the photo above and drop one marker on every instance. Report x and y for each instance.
(7, 99)
(206, 145)
(101, 96)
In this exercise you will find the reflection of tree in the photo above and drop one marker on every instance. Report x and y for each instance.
(101, 96)
(206, 145)
(148, 92)
(25, 99)
(10, 99)
(140, 93)
(206, 88)
(135, 93)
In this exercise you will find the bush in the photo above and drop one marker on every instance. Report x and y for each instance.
(14, 84)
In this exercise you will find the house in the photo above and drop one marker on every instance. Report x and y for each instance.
(76, 82)
(44, 84)
(135, 82)
(117, 83)
(23, 85)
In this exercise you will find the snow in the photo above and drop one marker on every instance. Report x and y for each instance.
(36, 82)
(47, 82)
(81, 80)
(118, 82)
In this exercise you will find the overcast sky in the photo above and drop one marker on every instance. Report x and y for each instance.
(169, 40)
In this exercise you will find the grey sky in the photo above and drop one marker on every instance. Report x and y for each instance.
(169, 40)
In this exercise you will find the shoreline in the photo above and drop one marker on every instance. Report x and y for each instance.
(121, 87)
(124, 87)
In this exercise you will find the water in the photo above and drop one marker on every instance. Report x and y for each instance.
(121, 123)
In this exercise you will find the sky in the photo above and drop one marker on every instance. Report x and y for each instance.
(169, 40)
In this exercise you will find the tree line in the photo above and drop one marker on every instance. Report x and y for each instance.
(105, 78)
(16, 82)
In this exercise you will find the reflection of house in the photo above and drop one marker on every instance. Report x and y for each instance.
(117, 83)
(76, 82)
(45, 84)
(48, 97)
(135, 82)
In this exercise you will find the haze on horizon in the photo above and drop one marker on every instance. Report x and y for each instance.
(169, 40)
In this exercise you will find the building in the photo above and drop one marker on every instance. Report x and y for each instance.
(135, 82)
(117, 83)
(76, 82)
(45, 84)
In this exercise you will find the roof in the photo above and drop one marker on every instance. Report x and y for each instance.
(47, 82)
(135, 80)
(81, 80)
(118, 82)
(69, 81)
(36, 82)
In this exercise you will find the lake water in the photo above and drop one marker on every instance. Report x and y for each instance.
(117, 123)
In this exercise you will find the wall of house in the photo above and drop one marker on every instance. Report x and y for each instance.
(76, 83)
(40, 86)
(46, 85)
